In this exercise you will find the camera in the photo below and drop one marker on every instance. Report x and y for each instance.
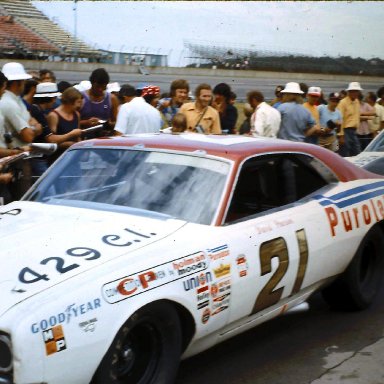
(199, 129)
(331, 124)
(8, 137)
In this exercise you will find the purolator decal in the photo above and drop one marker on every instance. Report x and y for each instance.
(349, 210)
(155, 277)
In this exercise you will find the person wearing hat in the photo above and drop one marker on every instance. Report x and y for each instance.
(350, 111)
(296, 121)
(43, 103)
(5, 176)
(20, 127)
(17, 120)
(330, 122)
(313, 97)
(151, 94)
(135, 114)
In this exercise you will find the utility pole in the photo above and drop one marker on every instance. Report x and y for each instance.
(75, 53)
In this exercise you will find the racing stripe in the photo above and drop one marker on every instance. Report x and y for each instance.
(335, 199)
(353, 200)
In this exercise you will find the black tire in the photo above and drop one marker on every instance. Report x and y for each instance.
(358, 286)
(146, 350)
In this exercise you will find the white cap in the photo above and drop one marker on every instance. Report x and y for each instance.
(15, 71)
(113, 87)
(47, 90)
(354, 86)
(314, 91)
(292, 88)
(84, 85)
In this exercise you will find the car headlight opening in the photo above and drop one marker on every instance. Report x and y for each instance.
(5, 353)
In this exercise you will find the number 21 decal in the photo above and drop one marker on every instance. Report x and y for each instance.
(277, 248)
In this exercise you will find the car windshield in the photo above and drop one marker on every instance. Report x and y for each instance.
(377, 145)
(183, 186)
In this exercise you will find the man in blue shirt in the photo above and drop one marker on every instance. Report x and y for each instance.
(296, 122)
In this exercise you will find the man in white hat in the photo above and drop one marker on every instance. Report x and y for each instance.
(296, 122)
(350, 111)
(17, 120)
(18, 125)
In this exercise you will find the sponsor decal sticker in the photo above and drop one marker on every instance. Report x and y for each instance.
(72, 311)
(89, 325)
(242, 265)
(54, 340)
(158, 276)
(349, 210)
(221, 287)
(205, 316)
(218, 252)
(222, 270)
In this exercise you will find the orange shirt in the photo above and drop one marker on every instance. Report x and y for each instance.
(314, 111)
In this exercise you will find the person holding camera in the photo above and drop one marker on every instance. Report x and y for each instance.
(201, 117)
(330, 122)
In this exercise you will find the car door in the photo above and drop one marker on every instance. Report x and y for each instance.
(277, 232)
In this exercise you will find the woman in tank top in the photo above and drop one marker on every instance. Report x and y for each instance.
(64, 121)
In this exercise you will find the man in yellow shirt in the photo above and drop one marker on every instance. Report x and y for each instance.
(201, 117)
(350, 110)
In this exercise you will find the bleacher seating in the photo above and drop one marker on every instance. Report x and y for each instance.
(22, 38)
(26, 30)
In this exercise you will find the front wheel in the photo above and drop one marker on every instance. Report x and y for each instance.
(146, 350)
(357, 287)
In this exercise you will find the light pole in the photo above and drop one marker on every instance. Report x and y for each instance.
(75, 29)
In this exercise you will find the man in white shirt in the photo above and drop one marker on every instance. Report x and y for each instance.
(265, 121)
(136, 115)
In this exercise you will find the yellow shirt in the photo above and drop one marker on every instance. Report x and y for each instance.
(350, 110)
(210, 121)
(313, 111)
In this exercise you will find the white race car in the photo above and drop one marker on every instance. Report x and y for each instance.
(133, 252)
(372, 158)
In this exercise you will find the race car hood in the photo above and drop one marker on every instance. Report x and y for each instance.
(43, 245)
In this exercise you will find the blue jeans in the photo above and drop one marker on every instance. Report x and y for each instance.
(351, 142)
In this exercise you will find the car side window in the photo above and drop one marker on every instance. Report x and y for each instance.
(271, 181)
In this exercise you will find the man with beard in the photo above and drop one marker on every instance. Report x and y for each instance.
(201, 117)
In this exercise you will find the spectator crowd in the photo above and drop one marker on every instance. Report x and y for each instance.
(34, 108)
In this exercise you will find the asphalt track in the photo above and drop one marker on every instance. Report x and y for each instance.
(316, 346)
(240, 85)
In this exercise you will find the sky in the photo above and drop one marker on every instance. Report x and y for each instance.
(334, 28)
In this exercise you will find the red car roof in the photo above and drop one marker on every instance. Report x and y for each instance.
(236, 148)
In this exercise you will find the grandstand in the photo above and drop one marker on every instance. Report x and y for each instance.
(25, 32)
